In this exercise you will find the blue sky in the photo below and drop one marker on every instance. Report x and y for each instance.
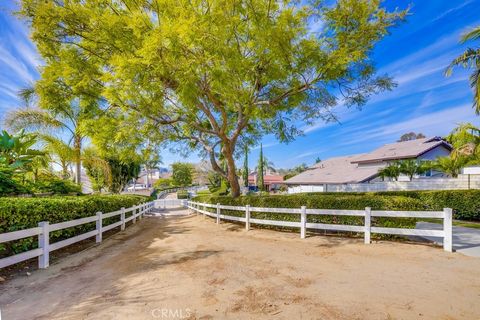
(415, 54)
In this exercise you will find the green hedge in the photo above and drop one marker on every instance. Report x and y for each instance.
(325, 201)
(182, 194)
(465, 203)
(24, 213)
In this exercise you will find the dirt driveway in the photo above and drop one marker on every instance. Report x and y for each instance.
(188, 267)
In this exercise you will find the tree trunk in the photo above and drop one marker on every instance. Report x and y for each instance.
(227, 151)
(77, 145)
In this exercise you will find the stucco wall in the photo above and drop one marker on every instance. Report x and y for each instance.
(462, 182)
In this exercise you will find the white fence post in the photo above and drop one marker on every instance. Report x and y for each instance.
(447, 230)
(134, 213)
(303, 222)
(142, 209)
(122, 218)
(247, 217)
(368, 224)
(218, 213)
(44, 244)
(98, 237)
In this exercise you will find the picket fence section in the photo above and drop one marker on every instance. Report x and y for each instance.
(367, 228)
(44, 228)
(170, 203)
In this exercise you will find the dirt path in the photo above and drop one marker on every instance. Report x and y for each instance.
(188, 267)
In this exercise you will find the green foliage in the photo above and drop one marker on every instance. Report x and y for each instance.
(23, 213)
(8, 185)
(214, 181)
(451, 166)
(413, 167)
(296, 170)
(182, 175)
(182, 194)
(245, 170)
(391, 171)
(122, 172)
(465, 140)
(411, 136)
(326, 201)
(465, 203)
(409, 167)
(209, 74)
(470, 58)
(164, 183)
(16, 151)
(260, 171)
(49, 183)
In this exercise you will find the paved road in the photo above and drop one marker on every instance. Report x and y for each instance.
(465, 240)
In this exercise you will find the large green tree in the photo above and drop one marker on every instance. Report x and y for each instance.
(182, 174)
(210, 73)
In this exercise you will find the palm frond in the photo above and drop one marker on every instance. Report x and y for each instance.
(33, 120)
(27, 95)
(469, 58)
(473, 34)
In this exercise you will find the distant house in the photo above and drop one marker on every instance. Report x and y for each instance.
(153, 176)
(363, 168)
(271, 181)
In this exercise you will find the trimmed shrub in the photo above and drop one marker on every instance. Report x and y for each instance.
(24, 213)
(182, 194)
(465, 203)
(325, 201)
(56, 186)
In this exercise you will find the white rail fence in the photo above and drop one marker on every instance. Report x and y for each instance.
(170, 203)
(44, 228)
(367, 228)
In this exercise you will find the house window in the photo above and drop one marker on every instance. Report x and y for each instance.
(427, 173)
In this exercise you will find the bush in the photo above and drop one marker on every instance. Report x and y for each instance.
(325, 201)
(24, 213)
(182, 194)
(465, 203)
(55, 185)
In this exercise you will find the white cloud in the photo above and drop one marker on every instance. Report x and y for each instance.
(432, 124)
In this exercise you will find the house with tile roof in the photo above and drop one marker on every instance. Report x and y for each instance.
(363, 168)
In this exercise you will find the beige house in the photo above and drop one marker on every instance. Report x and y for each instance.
(363, 168)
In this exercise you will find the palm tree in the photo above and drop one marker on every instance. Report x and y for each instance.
(391, 171)
(465, 140)
(470, 58)
(412, 167)
(66, 119)
(450, 165)
(60, 152)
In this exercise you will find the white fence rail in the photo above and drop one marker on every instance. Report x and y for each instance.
(367, 228)
(44, 228)
(170, 203)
